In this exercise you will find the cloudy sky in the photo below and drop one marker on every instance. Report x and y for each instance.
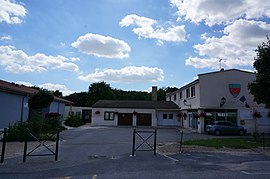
(130, 44)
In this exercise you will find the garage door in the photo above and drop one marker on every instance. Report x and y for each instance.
(125, 119)
(144, 119)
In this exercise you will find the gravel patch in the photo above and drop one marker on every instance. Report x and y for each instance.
(174, 148)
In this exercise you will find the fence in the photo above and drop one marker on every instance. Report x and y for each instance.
(144, 140)
(42, 143)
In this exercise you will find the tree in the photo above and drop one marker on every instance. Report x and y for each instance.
(57, 93)
(260, 88)
(40, 100)
(99, 91)
(79, 99)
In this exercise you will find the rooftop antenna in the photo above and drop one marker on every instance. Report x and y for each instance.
(220, 63)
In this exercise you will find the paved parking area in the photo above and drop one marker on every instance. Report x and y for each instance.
(104, 152)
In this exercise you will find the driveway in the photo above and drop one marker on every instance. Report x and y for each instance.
(104, 152)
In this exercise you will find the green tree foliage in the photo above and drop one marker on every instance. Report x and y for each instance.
(99, 91)
(42, 99)
(57, 93)
(103, 91)
(79, 99)
(260, 88)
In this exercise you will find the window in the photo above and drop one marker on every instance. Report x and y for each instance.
(192, 91)
(180, 95)
(187, 93)
(170, 116)
(165, 116)
(70, 113)
(174, 97)
(78, 113)
(109, 116)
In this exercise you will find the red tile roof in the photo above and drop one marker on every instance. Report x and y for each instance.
(15, 88)
(24, 90)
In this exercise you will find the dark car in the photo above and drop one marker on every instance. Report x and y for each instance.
(224, 127)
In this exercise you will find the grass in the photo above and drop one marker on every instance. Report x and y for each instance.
(236, 143)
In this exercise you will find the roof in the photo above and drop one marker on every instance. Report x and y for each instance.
(135, 104)
(13, 88)
(222, 71)
(62, 100)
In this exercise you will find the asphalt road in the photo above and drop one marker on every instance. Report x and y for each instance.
(106, 153)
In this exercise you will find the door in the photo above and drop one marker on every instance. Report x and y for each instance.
(86, 115)
(144, 119)
(125, 119)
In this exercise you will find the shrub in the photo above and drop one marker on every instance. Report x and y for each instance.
(42, 129)
(16, 132)
(74, 121)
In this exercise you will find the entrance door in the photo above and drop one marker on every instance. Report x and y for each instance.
(86, 115)
(144, 119)
(125, 119)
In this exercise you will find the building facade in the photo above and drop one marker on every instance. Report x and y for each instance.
(134, 113)
(85, 113)
(14, 103)
(221, 95)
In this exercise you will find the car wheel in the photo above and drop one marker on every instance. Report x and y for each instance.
(241, 132)
(217, 132)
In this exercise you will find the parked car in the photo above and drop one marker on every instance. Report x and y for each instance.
(225, 127)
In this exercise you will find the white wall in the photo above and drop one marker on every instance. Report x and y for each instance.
(98, 119)
(167, 122)
(214, 86)
(75, 109)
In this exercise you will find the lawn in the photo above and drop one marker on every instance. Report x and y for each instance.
(236, 143)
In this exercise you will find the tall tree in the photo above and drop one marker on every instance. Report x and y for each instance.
(98, 91)
(79, 99)
(260, 88)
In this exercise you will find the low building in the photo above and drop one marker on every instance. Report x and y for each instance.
(220, 95)
(85, 113)
(14, 103)
(134, 113)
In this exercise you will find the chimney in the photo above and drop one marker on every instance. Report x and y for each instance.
(154, 93)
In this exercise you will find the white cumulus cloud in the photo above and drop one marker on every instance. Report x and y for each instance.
(213, 12)
(17, 61)
(6, 38)
(49, 86)
(129, 74)
(102, 46)
(53, 87)
(149, 28)
(11, 12)
(236, 47)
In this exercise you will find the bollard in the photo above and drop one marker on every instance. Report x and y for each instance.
(181, 141)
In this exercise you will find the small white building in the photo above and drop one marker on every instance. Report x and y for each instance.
(221, 95)
(85, 113)
(134, 113)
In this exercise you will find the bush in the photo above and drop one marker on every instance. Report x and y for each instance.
(42, 129)
(74, 121)
(16, 132)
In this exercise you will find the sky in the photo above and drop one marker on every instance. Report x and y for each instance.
(67, 45)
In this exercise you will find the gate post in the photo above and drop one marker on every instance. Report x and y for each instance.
(3, 146)
(133, 145)
(155, 142)
(57, 144)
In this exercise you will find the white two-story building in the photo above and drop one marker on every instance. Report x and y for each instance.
(221, 95)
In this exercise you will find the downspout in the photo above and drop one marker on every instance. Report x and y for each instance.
(22, 108)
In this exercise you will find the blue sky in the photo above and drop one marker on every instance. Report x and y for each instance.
(132, 45)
